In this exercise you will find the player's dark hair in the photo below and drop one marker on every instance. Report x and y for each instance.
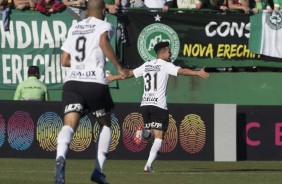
(160, 46)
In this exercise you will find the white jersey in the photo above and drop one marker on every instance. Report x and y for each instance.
(155, 3)
(87, 58)
(156, 74)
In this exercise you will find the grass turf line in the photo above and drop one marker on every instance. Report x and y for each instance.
(41, 171)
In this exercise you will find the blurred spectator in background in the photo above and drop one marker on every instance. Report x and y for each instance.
(277, 4)
(124, 3)
(260, 5)
(133, 3)
(32, 88)
(189, 4)
(5, 9)
(48, 7)
(274, 5)
(243, 5)
(113, 6)
(25, 4)
(137, 3)
(219, 5)
(77, 6)
(163, 4)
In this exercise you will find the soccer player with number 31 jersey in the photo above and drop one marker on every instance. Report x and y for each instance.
(154, 110)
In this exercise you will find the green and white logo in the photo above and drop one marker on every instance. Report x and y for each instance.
(153, 34)
(274, 20)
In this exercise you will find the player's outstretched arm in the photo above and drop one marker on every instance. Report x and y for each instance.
(111, 77)
(186, 71)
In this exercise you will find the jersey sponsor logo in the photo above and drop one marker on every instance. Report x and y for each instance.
(83, 32)
(86, 26)
(73, 108)
(150, 99)
(75, 74)
(151, 68)
(154, 125)
(151, 35)
(274, 20)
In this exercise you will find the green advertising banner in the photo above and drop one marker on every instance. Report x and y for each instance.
(196, 39)
(266, 34)
(35, 39)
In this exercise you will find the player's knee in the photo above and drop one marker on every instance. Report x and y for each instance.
(105, 123)
(104, 119)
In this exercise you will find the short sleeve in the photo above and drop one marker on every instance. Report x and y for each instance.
(66, 44)
(138, 72)
(171, 69)
(106, 27)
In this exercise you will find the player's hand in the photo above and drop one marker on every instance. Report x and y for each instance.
(203, 74)
(123, 72)
(109, 76)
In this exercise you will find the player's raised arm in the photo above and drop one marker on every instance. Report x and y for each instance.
(186, 71)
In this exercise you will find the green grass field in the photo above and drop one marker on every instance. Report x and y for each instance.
(40, 171)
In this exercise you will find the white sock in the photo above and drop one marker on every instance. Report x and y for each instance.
(156, 147)
(104, 142)
(63, 141)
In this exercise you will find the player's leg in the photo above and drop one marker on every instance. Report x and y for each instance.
(104, 104)
(159, 125)
(102, 145)
(143, 132)
(155, 149)
(66, 134)
(104, 141)
(64, 139)
(73, 109)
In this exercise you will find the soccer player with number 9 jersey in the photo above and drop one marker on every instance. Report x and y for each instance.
(85, 89)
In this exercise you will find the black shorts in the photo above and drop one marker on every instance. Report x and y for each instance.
(155, 117)
(85, 97)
